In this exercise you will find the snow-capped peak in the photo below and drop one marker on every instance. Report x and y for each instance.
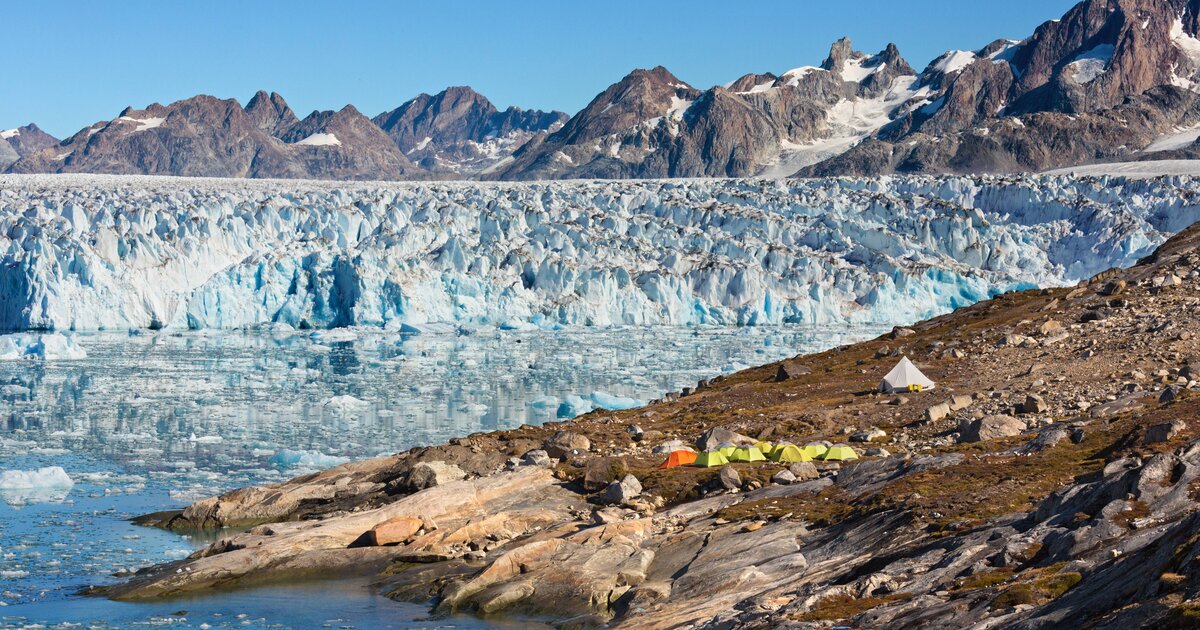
(9, 133)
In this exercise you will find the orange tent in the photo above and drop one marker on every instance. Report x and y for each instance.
(679, 458)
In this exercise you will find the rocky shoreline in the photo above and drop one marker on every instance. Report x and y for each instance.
(1051, 479)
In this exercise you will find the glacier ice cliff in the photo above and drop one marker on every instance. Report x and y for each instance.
(86, 252)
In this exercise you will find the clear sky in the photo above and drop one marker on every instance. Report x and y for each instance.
(68, 64)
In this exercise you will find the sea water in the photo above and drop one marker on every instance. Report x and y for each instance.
(155, 420)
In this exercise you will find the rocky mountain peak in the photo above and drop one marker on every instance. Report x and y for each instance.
(270, 113)
(459, 130)
(841, 52)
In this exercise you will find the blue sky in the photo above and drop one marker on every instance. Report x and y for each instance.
(68, 64)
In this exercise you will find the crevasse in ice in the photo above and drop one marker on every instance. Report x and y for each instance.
(93, 252)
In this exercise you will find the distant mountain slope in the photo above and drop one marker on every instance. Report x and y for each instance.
(1109, 81)
(21, 141)
(460, 131)
(1112, 80)
(652, 124)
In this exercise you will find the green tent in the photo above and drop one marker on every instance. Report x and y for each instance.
(747, 454)
(839, 454)
(711, 459)
(815, 451)
(726, 448)
(789, 454)
(765, 447)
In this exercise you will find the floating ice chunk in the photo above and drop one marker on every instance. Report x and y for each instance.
(44, 485)
(50, 346)
(543, 402)
(337, 335)
(205, 439)
(610, 402)
(574, 406)
(308, 460)
(48, 477)
(345, 404)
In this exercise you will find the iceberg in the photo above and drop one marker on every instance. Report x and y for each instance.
(44, 485)
(610, 402)
(306, 460)
(90, 252)
(49, 347)
(573, 406)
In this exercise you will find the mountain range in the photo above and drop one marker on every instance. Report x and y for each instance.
(1111, 80)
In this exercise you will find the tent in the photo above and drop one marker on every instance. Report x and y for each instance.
(711, 459)
(765, 447)
(839, 454)
(815, 451)
(726, 448)
(747, 454)
(789, 454)
(679, 458)
(905, 377)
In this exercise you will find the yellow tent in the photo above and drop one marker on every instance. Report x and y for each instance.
(765, 447)
(789, 454)
(840, 454)
(711, 459)
(747, 454)
(726, 448)
(815, 451)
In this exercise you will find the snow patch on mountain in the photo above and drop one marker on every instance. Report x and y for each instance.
(321, 140)
(144, 123)
(1089, 65)
(90, 252)
(954, 61)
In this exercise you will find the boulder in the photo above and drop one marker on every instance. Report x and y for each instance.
(958, 403)
(1113, 288)
(429, 474)
(622, 491)
(394, 531)
(783, 477)
(715, 436)
(937, 412)
(1050, 328)
(1168, 395)
(602, 471)
(871, 435)
(1160, 433)
(537, 457)
(729, 478)
(789, 371)
(990, 428)
(804, 471)
(565, 443)
(1033, 404)
(877, 452)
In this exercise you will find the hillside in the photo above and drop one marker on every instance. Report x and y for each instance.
(1048, 480)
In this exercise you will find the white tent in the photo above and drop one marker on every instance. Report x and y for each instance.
(905, 377)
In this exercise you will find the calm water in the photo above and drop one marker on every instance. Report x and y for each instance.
(154, 421)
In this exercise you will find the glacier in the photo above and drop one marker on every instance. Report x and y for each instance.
(90, 252)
